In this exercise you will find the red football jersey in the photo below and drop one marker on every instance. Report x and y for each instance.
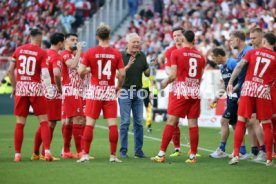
(103, 61)
(29, 60)
(261, 73)
(168, 55)
(190, 64)
(71, 81)
(54, 61)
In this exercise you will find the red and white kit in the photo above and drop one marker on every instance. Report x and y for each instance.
(30, 59)
(256, 90)
(54, 105)
(102, 93)
(184, 97)
(72, 86)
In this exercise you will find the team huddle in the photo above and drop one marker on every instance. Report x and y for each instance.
(63, 83)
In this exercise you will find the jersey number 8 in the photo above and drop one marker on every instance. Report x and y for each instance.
(193, 65)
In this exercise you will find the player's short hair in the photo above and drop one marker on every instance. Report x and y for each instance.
(189, 35)
(56, 38)
(218, 51)
(178, 29)
(270, 38)
(70, 34)
(238, 34)
(103, 31)
(35, 32)
(256, 30)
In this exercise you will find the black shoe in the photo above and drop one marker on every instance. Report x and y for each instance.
(140, 155)
(123, 155)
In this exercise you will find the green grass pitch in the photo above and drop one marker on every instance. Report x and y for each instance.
(132, 170)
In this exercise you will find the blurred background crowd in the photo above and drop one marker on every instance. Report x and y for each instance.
(18, 16)
(211, 20)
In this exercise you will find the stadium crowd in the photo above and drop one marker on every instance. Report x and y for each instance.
(212, 21)
(18, 16)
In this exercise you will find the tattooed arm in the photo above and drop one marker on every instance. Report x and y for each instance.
(235, 74)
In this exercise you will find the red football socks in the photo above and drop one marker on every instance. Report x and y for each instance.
(194, 139)
(113, 138)
(37, 141)
(268, 140)
(77, 132)
(176, 137)
(167, 136)
(238, 137)
(87, 138)
(18, 137)
(67, 136)
(45, 134)
(274, 132)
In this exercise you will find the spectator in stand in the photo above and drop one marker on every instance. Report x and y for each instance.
(133, 7)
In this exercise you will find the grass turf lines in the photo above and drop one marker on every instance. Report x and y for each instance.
(132, 170)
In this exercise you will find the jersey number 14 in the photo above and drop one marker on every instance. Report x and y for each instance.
(106, 70)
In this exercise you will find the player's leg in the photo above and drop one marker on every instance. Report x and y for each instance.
(77, 132)
(245, 110)
(45, 135)
(52, 125)
(274, 133)
(21, 110)
(176, 141)
(166, 138)
(87, 138)
(258, 131)
(238, 138)
(37, 144)
(67, 128)
(220, 151)
(19, 136)
(92, 113)
(194, 137)
(229, 117)
(264, 114)
(193, 113)
(110, 114)
(268, 140)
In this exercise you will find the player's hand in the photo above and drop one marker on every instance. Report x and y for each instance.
(213, 104)
(118, 90)
(164, 83)
(79, 46)
(13, 92)
(229, 89)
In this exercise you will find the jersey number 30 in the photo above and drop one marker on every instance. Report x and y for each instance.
(193, 65)
(27, 65)
(106, 69)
